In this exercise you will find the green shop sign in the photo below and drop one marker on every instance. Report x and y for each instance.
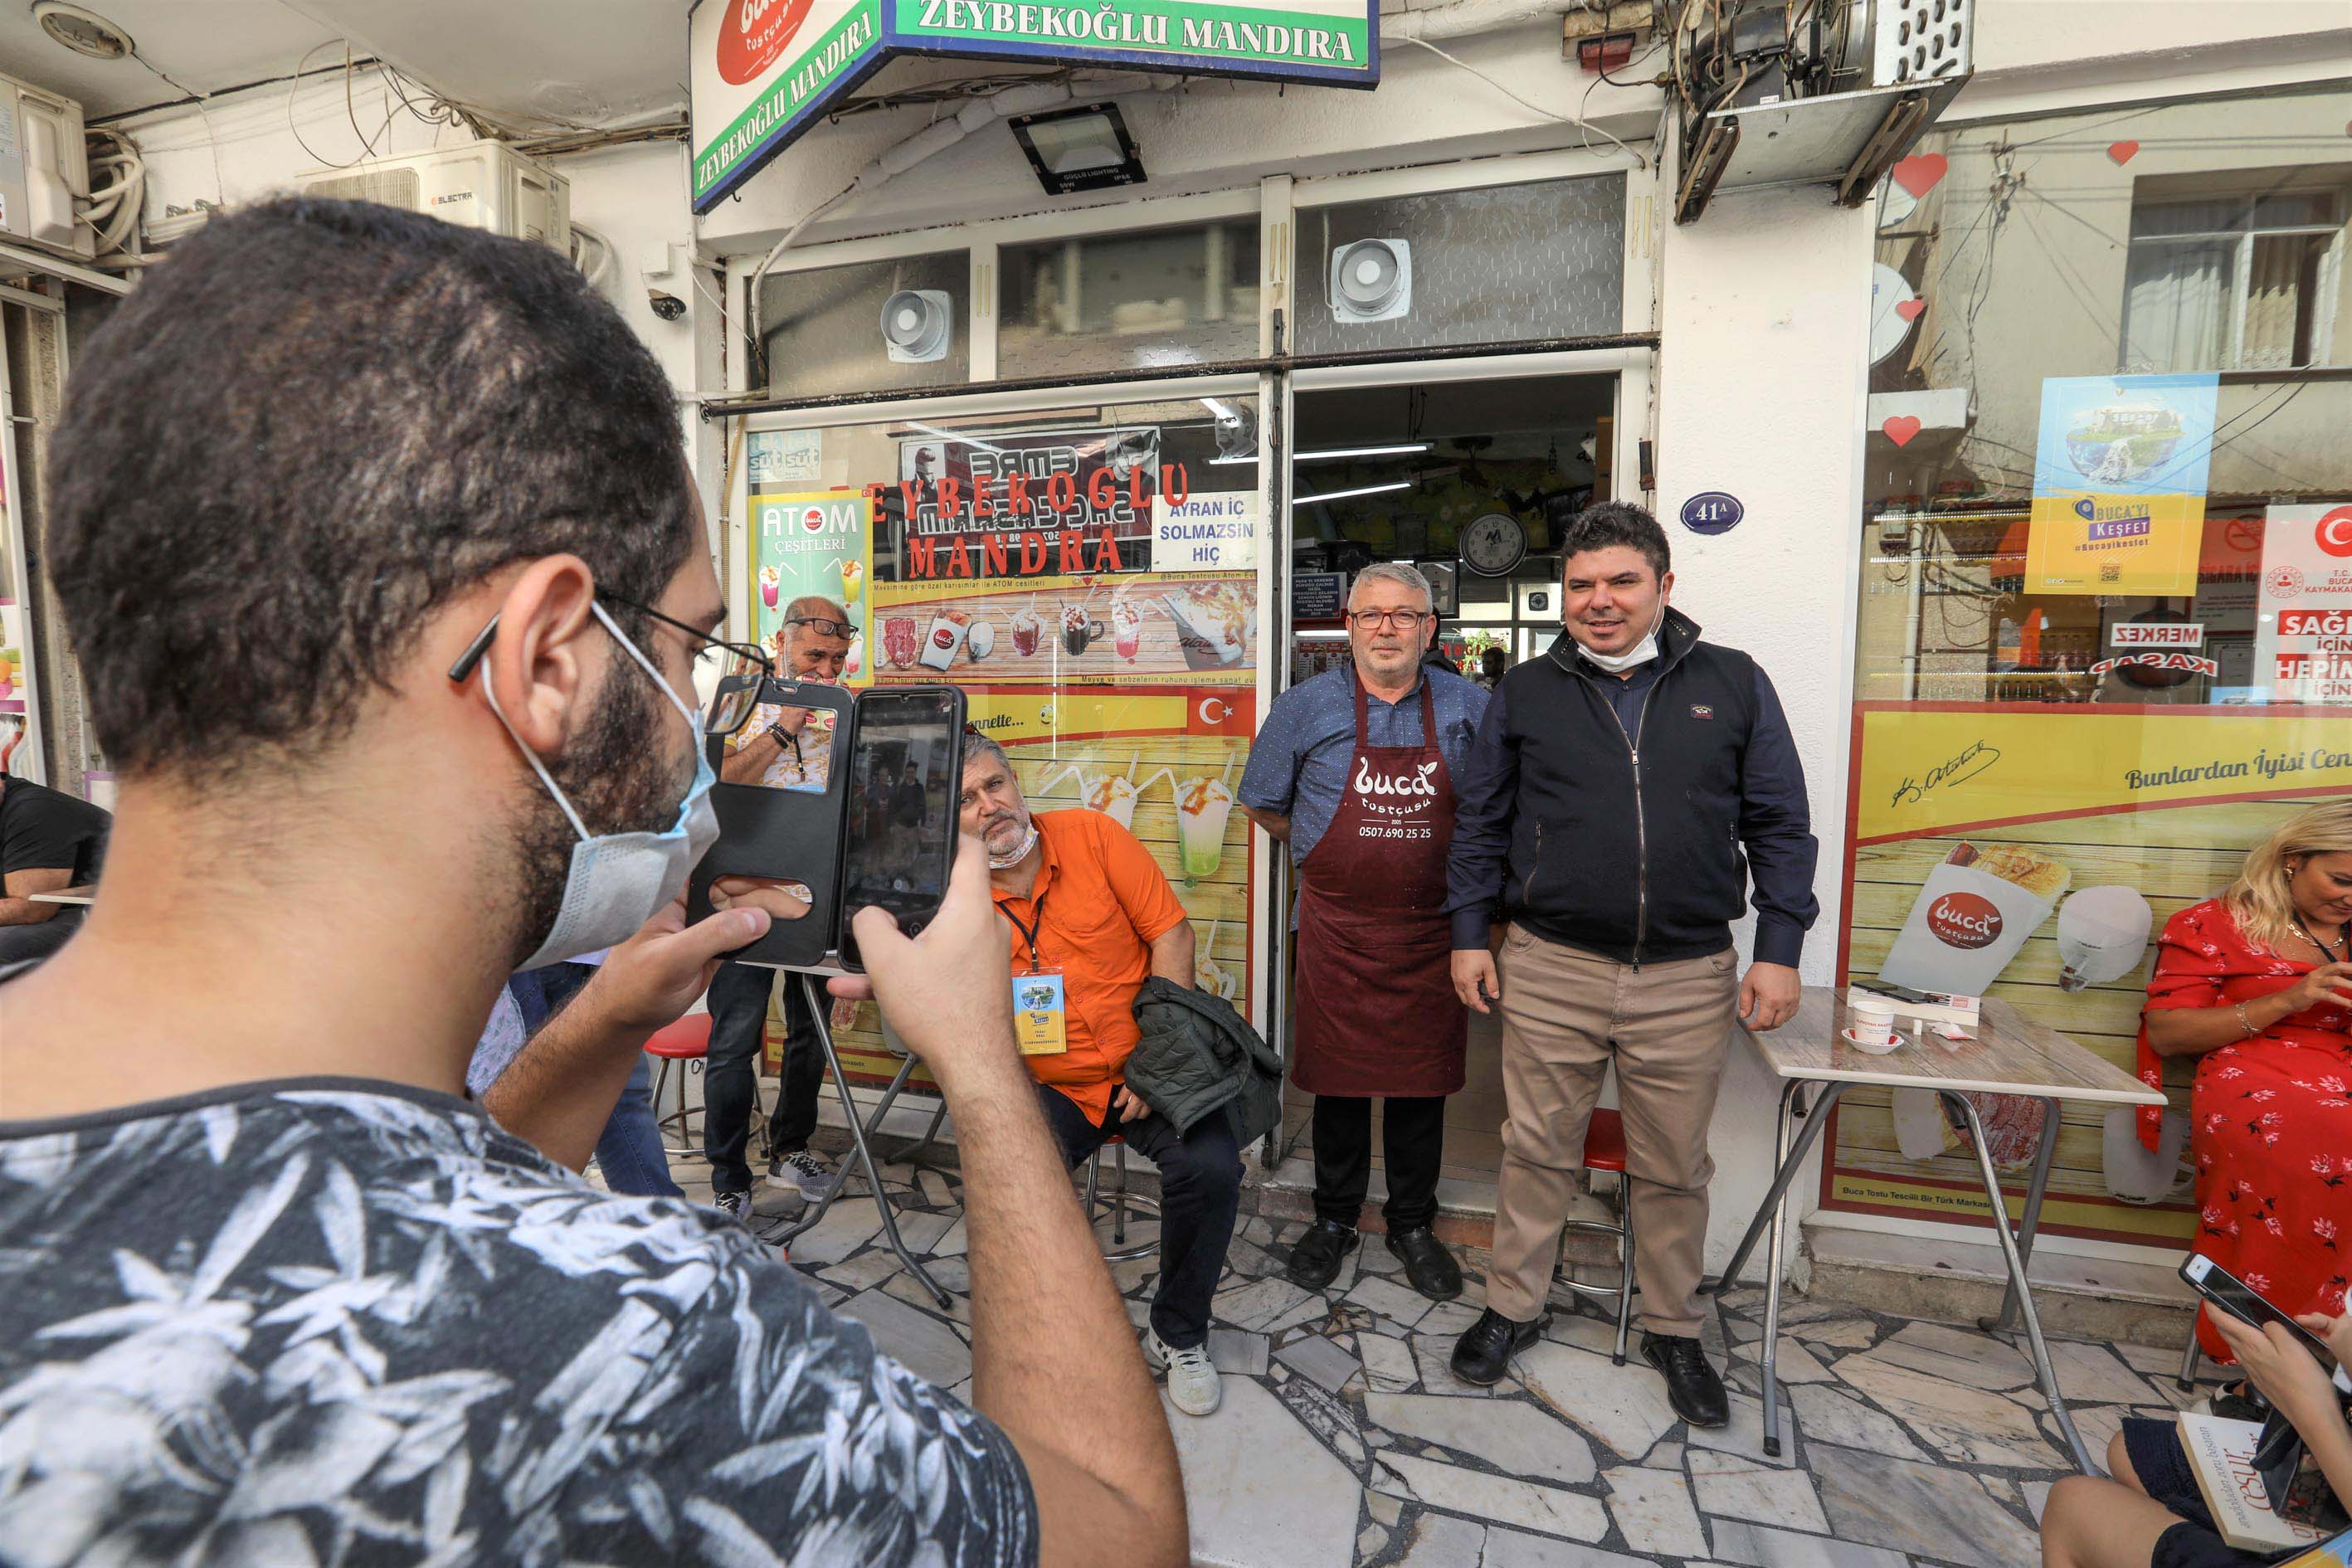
(766, 71)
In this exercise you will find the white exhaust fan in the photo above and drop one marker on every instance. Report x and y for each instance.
(917, 326)
(1371, 280)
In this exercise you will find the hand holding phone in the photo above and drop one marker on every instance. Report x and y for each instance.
(948, 992)
(2242, 1319)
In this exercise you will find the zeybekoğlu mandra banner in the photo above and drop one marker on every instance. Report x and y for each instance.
(765, 70)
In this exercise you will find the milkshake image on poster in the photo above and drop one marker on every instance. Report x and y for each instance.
(2102, 936)
(1025, 629)
(1203, 806)
(944, 640)
(1113, 795)
(1079, 628)
(771, 585)
(1209, 975)
(1125, 627)
(853, 582)
(1212, 624)
(854, 660)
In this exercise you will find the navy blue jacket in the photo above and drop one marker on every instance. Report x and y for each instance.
(1611, 815)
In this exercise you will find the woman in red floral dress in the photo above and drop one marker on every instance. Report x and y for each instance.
(2257, 985)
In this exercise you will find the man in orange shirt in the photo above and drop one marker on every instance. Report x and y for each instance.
(1093, 917)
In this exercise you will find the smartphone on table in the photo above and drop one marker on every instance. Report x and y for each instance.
(2235, 1297)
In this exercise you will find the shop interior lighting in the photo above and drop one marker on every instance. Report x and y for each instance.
(1082, 149)
(1344, 495)
(1403, 449)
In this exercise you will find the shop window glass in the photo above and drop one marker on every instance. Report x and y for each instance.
(2105, 636)
(1499, 265)
(1121, 301)
(822, 330)
(1018, 557)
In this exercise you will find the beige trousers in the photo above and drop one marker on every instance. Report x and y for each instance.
(1566, 1015)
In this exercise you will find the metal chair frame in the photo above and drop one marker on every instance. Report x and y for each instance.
(1120, 1202)
(1623, 1291)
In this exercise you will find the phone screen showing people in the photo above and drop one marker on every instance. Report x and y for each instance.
(783, 747)
(905, 773)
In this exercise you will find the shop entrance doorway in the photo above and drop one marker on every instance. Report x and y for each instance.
(1471, 481)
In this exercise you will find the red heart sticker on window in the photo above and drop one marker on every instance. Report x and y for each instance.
(1909, 309)
(1920, 172)
(2122, 151)
(1901, 429)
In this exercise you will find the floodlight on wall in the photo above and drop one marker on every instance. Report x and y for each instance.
(1082, 149)
(1371, 280)
(917, 324)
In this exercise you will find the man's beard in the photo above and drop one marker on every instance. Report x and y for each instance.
(615, 776)
(1014, 832)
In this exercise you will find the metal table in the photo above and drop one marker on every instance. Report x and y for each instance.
(820, 1019)
(2009, 1055)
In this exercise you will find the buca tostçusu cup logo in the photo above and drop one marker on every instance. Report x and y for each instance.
(754, 33)
(1964, 919)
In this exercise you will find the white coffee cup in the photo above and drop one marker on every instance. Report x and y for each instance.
(1872, 1018)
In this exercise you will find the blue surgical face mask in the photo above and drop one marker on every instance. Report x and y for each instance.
(620, 880)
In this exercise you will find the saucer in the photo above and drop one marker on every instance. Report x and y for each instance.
(1849, 1036)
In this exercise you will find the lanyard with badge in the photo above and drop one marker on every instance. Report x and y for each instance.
(1038, 1000)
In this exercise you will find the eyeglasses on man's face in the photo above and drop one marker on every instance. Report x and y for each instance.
(822, 628)
(742, 669)
(1377, 620)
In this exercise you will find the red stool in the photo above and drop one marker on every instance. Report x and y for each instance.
(1120, 1202)
(685, 1042)
(1604, 1149)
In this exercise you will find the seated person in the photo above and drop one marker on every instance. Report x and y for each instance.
(2255, 986)
(444, 735)
(49, 840)
(2152, 1515)
(1087, 903)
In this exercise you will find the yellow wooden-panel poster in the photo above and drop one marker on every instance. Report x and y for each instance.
(2108, 811)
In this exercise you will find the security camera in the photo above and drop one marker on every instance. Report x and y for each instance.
(668, 306)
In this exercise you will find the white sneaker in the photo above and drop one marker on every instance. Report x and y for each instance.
(1192, 1381)
(803, 1173)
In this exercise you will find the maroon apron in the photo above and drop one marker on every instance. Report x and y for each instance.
(1375, 1009)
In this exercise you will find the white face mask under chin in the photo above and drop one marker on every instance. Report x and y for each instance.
(1634, 657)
(1028, 842)
(617, 881)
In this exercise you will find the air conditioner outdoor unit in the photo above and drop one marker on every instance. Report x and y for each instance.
(482, 185)
(44, 171)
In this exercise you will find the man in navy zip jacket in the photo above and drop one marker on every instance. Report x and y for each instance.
(1622, 792)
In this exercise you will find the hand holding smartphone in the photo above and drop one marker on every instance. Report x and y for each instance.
(2231, 1294)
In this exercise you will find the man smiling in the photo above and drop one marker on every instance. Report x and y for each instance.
(1604, 807)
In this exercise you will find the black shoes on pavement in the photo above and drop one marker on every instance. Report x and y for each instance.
(1484, 1351)
(1692, 1386)
(1315, 1256)
(1428, 1266)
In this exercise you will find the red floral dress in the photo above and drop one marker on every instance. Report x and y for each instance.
(2269, 1120)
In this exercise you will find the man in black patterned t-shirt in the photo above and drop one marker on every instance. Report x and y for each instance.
(446, 580)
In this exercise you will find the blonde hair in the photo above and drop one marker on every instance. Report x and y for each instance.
(2259, 900)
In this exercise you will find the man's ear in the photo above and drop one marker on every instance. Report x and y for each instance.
(1666, 588)
(547, 650)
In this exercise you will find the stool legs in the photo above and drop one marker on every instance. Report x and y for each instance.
(1624, 1268)
(2191, 1358)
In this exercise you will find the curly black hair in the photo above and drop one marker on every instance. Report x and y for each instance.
(1609, 522)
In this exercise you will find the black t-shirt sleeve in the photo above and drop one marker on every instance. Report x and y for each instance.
(43, 830)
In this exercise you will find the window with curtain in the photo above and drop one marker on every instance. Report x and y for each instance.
(2232, 282)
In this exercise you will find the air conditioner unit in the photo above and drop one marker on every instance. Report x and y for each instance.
(482, 185)
(44, 171)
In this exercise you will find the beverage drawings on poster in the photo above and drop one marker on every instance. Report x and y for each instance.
(2302, 634)
(2030, 856)
(811, 542)
(1148, 629)
(2119, 478)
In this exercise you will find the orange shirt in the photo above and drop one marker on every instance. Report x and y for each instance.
(1105, 901)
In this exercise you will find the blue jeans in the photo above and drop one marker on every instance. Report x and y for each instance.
(629, 1152)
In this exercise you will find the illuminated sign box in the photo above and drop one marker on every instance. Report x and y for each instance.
(763, 71)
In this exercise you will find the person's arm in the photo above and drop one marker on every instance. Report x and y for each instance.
(1486, 794)
(2189, 1031)
(561, 1087)
(1172, 954)
(19, 908)
(745, 764)
(1777, 827)
(2292, 1379)
(1054, 1362)
(1270, 778)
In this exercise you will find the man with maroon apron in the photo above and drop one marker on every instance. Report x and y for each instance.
(1354, 770)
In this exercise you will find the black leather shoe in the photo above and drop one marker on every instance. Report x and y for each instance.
(1484, 1351)
(1315, 1256)
(1692, 1388)
(1428, 1266)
